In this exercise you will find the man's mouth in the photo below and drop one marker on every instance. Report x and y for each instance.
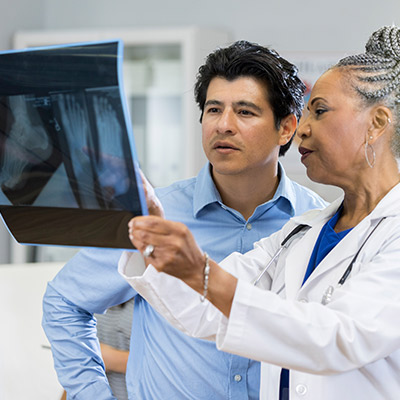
(224, 146)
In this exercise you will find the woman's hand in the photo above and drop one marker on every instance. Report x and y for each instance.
(176, 253)
(153, 203)
(175, 250)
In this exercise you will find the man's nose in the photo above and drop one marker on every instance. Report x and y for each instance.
(226, 122)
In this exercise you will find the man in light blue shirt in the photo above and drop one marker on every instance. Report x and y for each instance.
(251, 100)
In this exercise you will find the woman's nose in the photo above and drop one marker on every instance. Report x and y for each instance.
(304, 128)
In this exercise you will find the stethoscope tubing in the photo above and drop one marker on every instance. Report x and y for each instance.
(285, 243)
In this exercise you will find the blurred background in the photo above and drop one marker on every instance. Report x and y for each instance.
(165, 43)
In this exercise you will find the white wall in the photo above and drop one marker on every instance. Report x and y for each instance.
(308, 25)
(19, 14)
(26, 363)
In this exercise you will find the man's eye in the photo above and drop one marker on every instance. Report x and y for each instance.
(213, 110)
(245, 112)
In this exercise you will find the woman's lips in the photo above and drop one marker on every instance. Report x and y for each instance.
(304, 153)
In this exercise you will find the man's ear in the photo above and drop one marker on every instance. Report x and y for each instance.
(287, 129)
(381, 118)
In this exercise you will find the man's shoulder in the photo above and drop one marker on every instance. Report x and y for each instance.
(182, 187)
(305, 198)
(305, 190)
(177, 199)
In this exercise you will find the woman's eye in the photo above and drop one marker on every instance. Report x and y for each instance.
(319, 111)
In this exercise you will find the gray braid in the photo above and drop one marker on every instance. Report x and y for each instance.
(377, 73)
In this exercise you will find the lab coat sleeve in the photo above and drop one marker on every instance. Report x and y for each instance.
(177, 302)
(88, 283)
(359, 326)
(180, 304)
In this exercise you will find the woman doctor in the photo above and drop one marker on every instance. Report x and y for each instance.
(324, 316)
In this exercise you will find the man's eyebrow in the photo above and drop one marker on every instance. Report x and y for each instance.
(244, 103)
(240, 103)
(213, 103)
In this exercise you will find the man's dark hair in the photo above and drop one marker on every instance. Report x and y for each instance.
(245, 59)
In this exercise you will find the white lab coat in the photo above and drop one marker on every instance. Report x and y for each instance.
(348, 349)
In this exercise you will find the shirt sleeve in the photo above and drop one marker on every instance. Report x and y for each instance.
(88, 283)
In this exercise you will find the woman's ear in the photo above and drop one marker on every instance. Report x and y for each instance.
(287, 129)
(381, 120)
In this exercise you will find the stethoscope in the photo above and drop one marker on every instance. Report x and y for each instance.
(327, 296)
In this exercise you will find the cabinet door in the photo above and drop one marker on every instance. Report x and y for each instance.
(153, 82)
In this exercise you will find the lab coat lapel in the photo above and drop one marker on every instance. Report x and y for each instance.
(297, 260)
(289, 272)
(341, 254)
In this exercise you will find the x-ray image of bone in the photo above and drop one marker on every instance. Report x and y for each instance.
(75, 124)
(112, 170)
(27, 141)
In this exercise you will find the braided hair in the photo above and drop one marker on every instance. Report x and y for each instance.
(375, 74)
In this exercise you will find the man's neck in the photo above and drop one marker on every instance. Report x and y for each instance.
(245, 192)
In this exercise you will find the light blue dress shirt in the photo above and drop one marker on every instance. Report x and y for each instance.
(163, 363)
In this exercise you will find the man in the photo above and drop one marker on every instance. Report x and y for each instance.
(251, 100)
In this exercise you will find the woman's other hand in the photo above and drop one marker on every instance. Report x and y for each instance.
(153, 203)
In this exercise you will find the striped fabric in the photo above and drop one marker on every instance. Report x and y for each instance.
(114, 329)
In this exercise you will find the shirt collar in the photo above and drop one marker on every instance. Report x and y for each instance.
(205, 191)
(285, 190)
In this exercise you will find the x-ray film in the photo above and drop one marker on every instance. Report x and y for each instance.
(68, 166)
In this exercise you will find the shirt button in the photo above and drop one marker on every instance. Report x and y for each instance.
(249, 226)
(301, 389)
(303, 301)
(238, 378)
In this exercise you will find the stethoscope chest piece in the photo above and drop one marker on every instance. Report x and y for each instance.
(327, 297)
